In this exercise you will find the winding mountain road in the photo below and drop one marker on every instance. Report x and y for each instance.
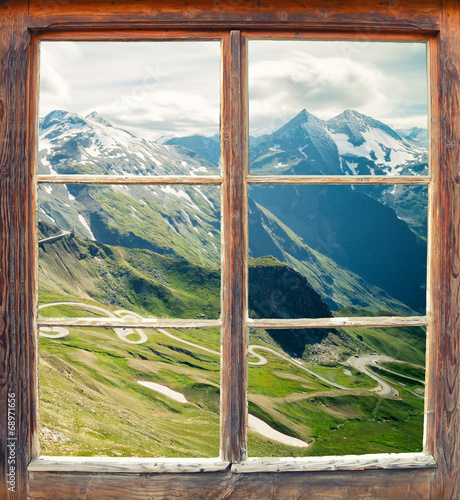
(263, 361)
(55, 237)
(361, 363)
(358, 362)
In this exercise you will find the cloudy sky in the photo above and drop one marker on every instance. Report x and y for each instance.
(156, 89)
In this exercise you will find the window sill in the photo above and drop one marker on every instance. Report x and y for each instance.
(337, 463)
(134, 465)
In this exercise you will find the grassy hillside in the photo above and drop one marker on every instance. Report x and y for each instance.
(140, 280)
(92, 404)
(337, 285)
(403, 343)
(174, 221)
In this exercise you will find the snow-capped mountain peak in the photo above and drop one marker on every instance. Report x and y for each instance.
(354, 124)
(71, 144)
(62, 118)
(368, 146)
(302, 146)
(130, 215)
(348, 144)
(97, 118)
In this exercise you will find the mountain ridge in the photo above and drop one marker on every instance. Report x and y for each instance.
(184, 221)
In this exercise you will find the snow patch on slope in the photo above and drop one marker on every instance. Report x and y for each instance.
(86, 226)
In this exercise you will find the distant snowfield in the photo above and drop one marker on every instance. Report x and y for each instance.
(259, 426)
(376, 142)
(254, 423)
(166, 391)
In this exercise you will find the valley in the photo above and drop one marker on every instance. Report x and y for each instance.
(154, 251)
(83, 375)
(90, 396)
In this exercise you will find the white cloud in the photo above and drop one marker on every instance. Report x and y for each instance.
(149, 88)
(55, 86)
(172, 88)
(405, 121)
(324, 86)
(378, 79)
(163, 112)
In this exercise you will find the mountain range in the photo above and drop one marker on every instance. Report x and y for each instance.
(361, 246)
(314, 251)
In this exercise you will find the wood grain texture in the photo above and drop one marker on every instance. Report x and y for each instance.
(443, 423)
(16, 275)
(377, 321)
(348, 462)
(152, 34)
(369, 485)
(130, 321)
(338, 179)
(32, 260)
(134, 322)
(129, 179)
(234, 250)
(380, 16)
(133, 465)
(367, 19)
(327, 34)
(251, 465)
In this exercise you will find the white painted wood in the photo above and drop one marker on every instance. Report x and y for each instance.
(133, 465)
(216, 180)
(134, 322)
(136, 465)
(346, 462)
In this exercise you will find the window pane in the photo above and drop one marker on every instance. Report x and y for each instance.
(319, 249)
(151, 249)
(351, 391)
(337, 108)
(130, 108)
(148, 393)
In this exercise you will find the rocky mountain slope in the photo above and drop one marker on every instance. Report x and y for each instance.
(352, 245)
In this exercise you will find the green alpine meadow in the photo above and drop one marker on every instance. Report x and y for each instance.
(154, 251)
(91, 402)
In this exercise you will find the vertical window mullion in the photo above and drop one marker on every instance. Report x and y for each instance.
(434, 244)
(234, 249)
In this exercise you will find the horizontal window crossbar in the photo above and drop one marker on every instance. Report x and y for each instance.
(216, 180)
(129, 322)
(377, 321)
(129, 179)
(127, 464)
(337, 179)
(134, 322)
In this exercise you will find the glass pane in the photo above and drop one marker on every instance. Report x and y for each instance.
(318, 251)
(154, 250)
(129, 108)
(149, 393)
(348, 391)
(337, 108)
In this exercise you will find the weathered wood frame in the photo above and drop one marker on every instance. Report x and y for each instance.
(379, 476)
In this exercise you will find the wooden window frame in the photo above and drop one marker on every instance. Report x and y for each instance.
(434, 473)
